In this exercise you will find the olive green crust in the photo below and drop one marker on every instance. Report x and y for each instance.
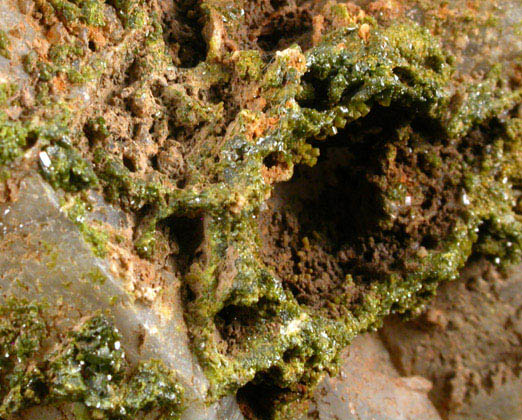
(244, 120)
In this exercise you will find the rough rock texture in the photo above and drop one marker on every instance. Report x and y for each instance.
(274, 177)
(42, 253)
(469, 344)
(369, 387)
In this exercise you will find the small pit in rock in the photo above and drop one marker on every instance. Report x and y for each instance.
(285, 28)
(237, 323)
(275, 25)
(183, 32)
(186, 235)
(257, 398)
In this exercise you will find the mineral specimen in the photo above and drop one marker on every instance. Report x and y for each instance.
(261, 179)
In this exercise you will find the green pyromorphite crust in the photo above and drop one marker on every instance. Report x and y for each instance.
(13, 137)
(21, 330)
(5, 43)
(88, 367)
(86, 11)
(299, 97)
(130, 11)
(388, 71)
(95, 237)
(67, 169)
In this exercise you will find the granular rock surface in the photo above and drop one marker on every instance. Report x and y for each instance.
(268, 179)
(468, 343)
